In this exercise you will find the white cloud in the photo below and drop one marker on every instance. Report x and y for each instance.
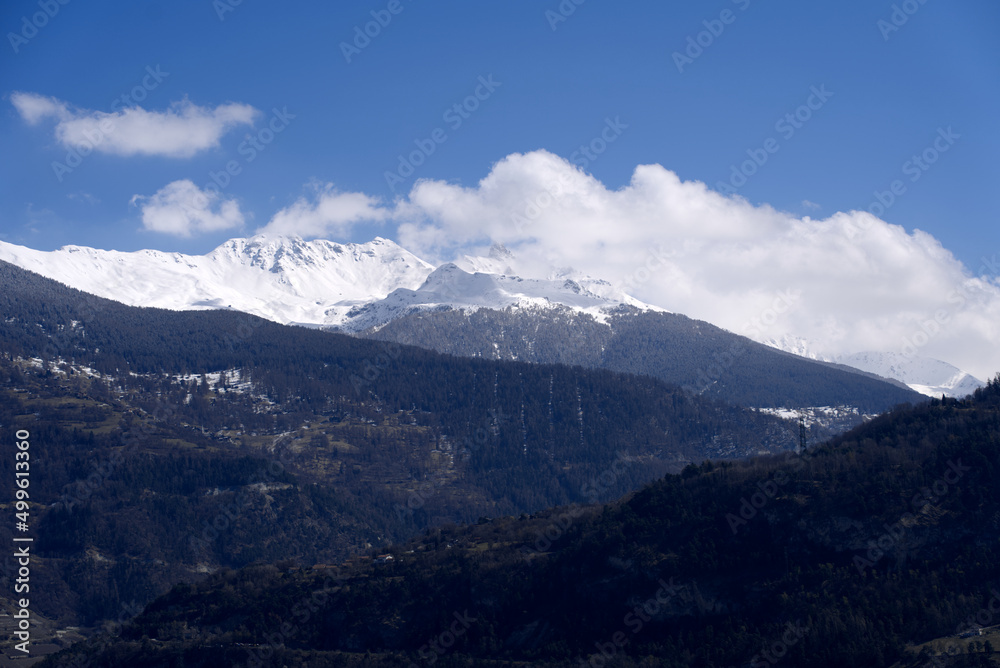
(33, 108)
(856, 282)
(865, 284)
(182, 209)
(181, 131)
(331, 214)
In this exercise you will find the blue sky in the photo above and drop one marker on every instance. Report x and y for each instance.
(940, 69)
(715, 158)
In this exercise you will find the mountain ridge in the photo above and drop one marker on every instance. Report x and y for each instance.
(353, 287)
(281, 278)
(155, 423)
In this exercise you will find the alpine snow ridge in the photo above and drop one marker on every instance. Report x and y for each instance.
(449, 287)
(361, 287)
(347, 287)
(283, 279)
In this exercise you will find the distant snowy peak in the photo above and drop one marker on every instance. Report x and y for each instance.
(499, 260)
(502, 262)
(285, 279)
(797, 346)
(485, 265)
(926, 375)
(319, 283)
(452, 287)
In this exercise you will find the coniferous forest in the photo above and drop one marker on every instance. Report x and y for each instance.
(878, 548)
(177, 443)
(221, 490)
(696, 355)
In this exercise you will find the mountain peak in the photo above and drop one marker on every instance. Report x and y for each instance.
(283, 278)
(500, 252)
(926, 375)
(353, 286)
(930, 377)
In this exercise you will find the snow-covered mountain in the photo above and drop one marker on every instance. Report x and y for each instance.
(502, 262)
(925, 375)
(349, 287)
(284, 279)
(357, 287)
(451, 287)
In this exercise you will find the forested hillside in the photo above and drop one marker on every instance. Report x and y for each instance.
(173, 444)
(696, 355)
(856, 552)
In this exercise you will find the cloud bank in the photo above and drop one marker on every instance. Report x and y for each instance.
(847, 283)
(181, 131)
(182, 209)
(331, 215)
